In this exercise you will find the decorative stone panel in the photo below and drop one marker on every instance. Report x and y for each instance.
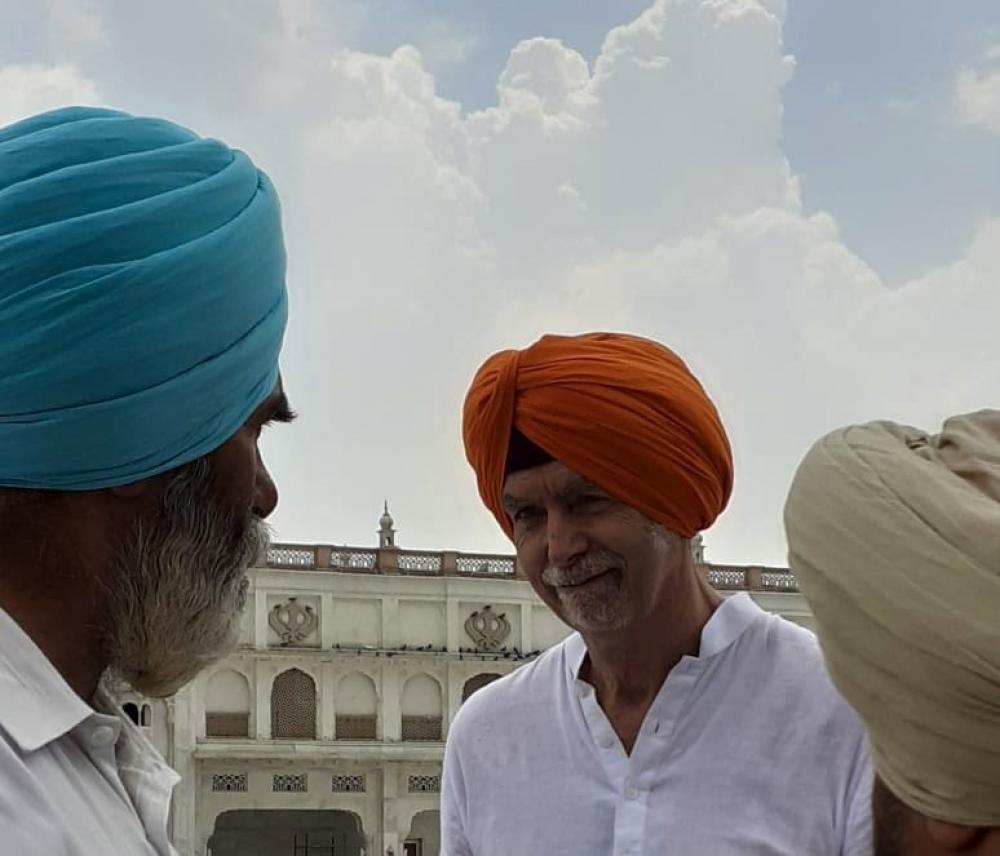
(487, 629)
(290, 783)
(348, 784)
(418, 728)
(230, 782)
(355, 727)
(293, 706)
(294, 622)
(227, 724)
(424, 784)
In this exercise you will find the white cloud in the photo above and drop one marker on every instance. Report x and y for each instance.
(646, 191)
(977, 93)
(29, 89)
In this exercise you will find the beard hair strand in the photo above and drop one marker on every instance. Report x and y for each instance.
(178, 585)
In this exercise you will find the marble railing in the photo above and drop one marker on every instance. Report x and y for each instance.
(429, 563)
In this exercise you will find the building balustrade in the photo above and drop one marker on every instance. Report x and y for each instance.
(446, 563)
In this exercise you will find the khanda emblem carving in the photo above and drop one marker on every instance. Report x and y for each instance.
(292, 621)
(487, 629)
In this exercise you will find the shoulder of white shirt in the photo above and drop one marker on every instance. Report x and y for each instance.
(37, 706)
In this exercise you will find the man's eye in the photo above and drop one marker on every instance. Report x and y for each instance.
(523, 515)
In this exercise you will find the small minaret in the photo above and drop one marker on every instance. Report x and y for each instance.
(386, 533)
(697, 549)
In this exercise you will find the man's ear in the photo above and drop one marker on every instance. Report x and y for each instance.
(951, 837)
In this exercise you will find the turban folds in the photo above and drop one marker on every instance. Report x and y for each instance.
(622, 411)
(894, 536)
(142, 297)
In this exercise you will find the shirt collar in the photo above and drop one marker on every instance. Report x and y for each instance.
(36, 704)
(734, 615)
(137, 752)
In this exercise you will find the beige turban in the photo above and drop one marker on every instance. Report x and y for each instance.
(894, 536)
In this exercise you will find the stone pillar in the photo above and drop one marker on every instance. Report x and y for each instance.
(262, 683)
(456, 681)
(259, 637)
(184, 815)
(326, 628)
(752, 579)
(390, 716)
(453, 628)
(323, 553)
(449, 563)
(390, 622)
(390, 809)
(327, 699)
(387, 560)
(527, 634)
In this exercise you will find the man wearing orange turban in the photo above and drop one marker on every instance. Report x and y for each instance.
(671, 722)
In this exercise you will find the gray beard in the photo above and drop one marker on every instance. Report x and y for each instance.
(178, 586)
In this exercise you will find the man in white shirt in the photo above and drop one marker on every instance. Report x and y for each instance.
(671, 722)
(143, 305)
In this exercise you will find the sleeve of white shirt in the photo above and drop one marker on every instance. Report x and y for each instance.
(453, 802)
(858, 839)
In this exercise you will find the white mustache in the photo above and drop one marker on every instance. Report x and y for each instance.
(590, 566)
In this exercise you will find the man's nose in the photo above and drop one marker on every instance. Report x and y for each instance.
(566, 540)
(265, 492)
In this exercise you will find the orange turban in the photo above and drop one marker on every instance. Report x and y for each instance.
(622, 411)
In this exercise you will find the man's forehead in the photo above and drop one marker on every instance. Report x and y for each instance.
(553, 477)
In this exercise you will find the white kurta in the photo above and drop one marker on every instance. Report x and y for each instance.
(747, 750)
(73, 782)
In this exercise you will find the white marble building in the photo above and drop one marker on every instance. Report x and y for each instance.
(322, 735)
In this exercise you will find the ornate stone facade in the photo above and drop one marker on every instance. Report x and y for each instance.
(325, 728)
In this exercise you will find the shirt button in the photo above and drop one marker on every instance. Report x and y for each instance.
(103, 735)
(583, 690)
(606, 742)
(631, 792)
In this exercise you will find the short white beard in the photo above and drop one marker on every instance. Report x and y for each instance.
(603, 609)
(178, 586)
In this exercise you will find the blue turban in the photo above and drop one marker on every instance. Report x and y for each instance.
(142, 297)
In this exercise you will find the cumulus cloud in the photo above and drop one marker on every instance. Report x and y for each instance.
(977, 92)
(29, 89)
(646, 190)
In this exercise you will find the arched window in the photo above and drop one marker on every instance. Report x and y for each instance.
(421, 707)
(477, 682)
(227, 705)
(425, 835)
(145, 716)
(293, 706)
(131, 711)
(356, 705)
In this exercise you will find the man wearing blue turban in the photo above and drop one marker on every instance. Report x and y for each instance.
(142, 309)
